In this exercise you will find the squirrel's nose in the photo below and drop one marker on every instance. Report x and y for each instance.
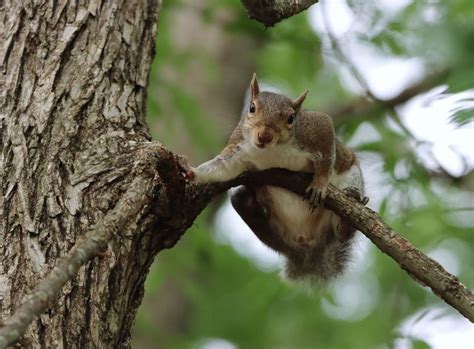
(265, 136)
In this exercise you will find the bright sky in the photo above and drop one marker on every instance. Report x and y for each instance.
(427, 117)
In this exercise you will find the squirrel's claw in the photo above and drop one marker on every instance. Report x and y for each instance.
(184, 168)
(315, 196)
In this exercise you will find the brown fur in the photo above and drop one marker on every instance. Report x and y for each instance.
(276, 132)
(345, 158)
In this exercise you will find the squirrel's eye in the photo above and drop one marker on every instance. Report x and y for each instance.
(291, 118)
(252, 108)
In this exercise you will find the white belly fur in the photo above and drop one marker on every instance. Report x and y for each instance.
(288, 157)
(290, 214)
(293, 218)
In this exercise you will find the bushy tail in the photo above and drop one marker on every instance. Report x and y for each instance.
(322, 263)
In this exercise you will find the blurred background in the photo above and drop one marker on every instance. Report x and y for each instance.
(398, 78)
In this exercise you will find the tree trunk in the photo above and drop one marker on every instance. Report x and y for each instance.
(73, 100)
(78, 166)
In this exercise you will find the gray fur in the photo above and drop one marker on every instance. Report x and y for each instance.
(315, 241)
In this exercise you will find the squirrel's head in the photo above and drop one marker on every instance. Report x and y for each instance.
(270, 117)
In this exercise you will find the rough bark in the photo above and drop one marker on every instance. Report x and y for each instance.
(72, 104)
(172, 220)
(270, 12)
(77, 163)
(136, 199)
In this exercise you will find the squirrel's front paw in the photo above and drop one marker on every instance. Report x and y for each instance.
(185, 170)
(316, 193)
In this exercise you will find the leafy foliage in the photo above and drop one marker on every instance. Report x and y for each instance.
(225, 295)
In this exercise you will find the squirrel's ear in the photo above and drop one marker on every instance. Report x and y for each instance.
(254, 89)
(299, 101)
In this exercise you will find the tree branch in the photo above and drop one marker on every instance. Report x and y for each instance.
(367, 108)
(419, 266)
(183, 202)
(136, 198)
(370, 105)
(270, 12)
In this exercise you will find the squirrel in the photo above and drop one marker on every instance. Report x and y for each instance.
(277, 132)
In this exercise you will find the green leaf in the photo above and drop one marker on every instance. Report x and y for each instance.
(463, 117)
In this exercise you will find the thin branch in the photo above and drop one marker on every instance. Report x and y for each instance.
(370, 104)
(270, 12)
(127, 209)
(140, 194)
(340, 54)
(419, 266)
(356, 73)
(362, 106)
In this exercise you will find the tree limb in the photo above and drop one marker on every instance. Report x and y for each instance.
(190, 199)
(137, 197)
(367, 108)
(270, 12)
(419, 266)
